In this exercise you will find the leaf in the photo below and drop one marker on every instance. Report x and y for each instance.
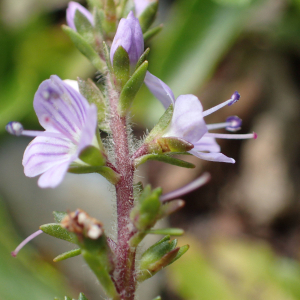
(84, 27)
(121, 66)
(148, 35)
(66, 255)
(168, 231)
(59, 215)
(148, 15)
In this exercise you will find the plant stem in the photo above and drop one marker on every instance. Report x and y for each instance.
(124, 275)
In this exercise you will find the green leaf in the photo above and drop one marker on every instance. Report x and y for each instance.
(95, 3)
(131, 88)
(161, 126)
(152, 32)
(143, 57)
(85, 48)
(168, 231)
(59, 215)
(181, 251)
(92, 93)
(84, 27)
(66, 255)
(106, 172)
(81, 295)
(148, 15)
(59, 232)
(92, 156)
(163, 158)
(121, 66)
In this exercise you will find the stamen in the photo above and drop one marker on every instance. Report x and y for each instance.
(234, 98)
(14, 128)
(232, 136)
(202, 180)
(27, 240)
(218, 125)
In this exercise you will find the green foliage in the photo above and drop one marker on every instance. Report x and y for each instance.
(166, 231)
(66, 255)
(121, 66)
(84, 28)
(59, 232)
(148, 16)
(92, 156)
(59, 215)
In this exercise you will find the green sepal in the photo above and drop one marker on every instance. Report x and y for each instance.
(106, 172)
(107, 57)
(99, 16)
(181, 251)
(131, 88)
(170, 144)
(161, 126)
(170, 207)
(110, 21)
(163, 158)
(92, 156)
(66, 255)
(142, 58)
(59, 232)
(93, 95)
(81, 295)
(84, 27)
(152, 32)
(168, 231)
(85, 48)
(148, 15)
(145, 213)
(121, 66)
(59, 215)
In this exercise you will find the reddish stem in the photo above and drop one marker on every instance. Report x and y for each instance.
(125, 267)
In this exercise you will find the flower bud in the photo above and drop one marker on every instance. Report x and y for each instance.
(71, 11)
(129, 35)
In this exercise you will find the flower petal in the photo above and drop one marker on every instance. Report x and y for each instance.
(187, 121)
(89, 129)
(207, 144)
(54, 176)
(71, 10)
(44, 153)
(212, 156)
(60, 108)
(159, 89)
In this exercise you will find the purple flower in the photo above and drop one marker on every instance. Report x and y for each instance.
(188, 121)
(141, 5)
(129, 35)
(71, 10)
(70, 125)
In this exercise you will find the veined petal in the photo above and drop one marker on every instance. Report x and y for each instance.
(89, 129)
(54, 176)
(187, 121)
(159, 89)
(212, 156)
(207, 144)
(44, 153)
(71, 10)
(60, 108)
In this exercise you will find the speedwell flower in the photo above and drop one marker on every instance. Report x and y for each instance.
(129, 35)
(70, 125)
(71, 11)
(188, 121)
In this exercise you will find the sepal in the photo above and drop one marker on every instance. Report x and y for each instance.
(66, 255)
(152, 32)
(93, 95)
(131, 88)
(143, 58)
(84, 27)
(148, 16)
(59, 232)
(158, 256)
(121, 66)
(169, 144)
(109, 23)
(163, 158)
(167, 231)
(85, 48)
(92, 156)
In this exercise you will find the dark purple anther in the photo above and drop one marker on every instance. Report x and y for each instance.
(14, 128)
(235, 123)
(234, 98)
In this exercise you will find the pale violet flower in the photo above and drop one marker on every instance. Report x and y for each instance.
(70, 124)
(71, 10)
(141, 5)
(129, 35)
(188, 121)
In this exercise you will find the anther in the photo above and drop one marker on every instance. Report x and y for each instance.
(14, 128)
(235, 123)
(234, 98)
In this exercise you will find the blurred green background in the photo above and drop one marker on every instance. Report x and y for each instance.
(244, 226)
